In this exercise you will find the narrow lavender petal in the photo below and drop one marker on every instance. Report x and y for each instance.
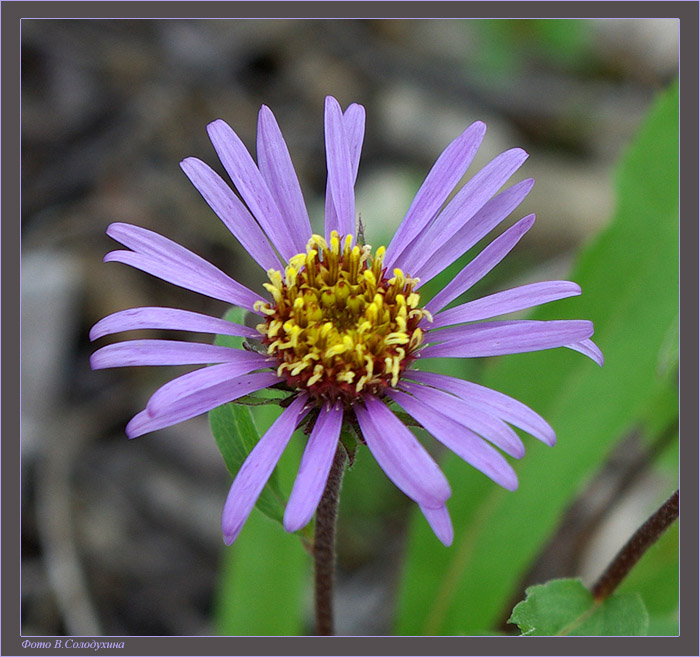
(134, 353)
(251, 185)
(278, 171)
(461, 209)
(257, 468)
(463, 442)
(231, 211)
(354, 122)
(508, 301)
(200, 401)
(590, 349)
(148, 242)
(206, 377)
(481, 265)
(441, 524)
(201, 279)
(513, 337)
(401, 456)
(170, 319)
(314, 468)
(161, 257)
(482, 223)
(470, 416)
(438, 185)
(340, 175)
(509, 409)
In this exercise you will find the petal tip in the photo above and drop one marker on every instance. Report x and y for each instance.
(132, 431)
(511, 483)
(479, 127)
(216, 127)
(114, 228)
(293, 524)
(189, 163)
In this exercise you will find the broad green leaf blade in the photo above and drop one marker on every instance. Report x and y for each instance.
(262, 582)
(266, 573)
(664, 626)
(234, 430)
(565, 607)
(629, 277)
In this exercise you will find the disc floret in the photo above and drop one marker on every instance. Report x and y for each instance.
(338, 325)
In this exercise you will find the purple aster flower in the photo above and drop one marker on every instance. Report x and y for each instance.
(341, 325)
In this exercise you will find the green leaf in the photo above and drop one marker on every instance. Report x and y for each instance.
(234, 430)
(629, 277)
(565, 607)
(664, 625)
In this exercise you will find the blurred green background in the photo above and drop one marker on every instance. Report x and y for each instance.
(123, 537)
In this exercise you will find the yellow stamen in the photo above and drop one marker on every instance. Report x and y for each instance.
(337, 319)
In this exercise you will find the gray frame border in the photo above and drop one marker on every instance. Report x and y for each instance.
(12, 11)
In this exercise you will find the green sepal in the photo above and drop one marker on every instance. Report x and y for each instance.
(350, 444)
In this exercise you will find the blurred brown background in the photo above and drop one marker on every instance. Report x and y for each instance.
(123, 537)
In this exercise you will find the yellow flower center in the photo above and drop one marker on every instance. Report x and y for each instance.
(337, 324)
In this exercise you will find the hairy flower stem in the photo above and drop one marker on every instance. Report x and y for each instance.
(324, 545)
(633, 550)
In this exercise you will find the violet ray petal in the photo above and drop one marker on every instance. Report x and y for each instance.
(175, 260)
(590, 349)
(498, 338)
(470, 416)
(278, 171)
(200, 401)
(231, 211)
(257, 468)
(509, 409)
(134, 353)
(463, 442)
(354, 122)
(199, 280)
(206, 377)
(481, 265)
(314, 468)
(169, 319)
(438, 185)
(461, 209)
(480, 225)
(251, 185)
(340, 176)
(148, 242)
(401, 456)
(441, 524)
(507, 301)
